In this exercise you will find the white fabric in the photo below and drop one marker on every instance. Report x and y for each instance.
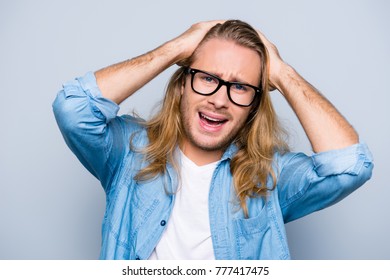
(187, 235)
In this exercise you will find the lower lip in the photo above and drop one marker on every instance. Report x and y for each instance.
(210, 128)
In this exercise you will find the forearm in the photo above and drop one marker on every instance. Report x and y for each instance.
(325, 127)
(119, 81)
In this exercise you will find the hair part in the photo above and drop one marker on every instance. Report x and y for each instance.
(258, 140)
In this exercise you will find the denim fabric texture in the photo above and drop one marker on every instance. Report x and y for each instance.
(137, 212)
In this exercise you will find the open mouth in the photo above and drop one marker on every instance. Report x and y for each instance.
(211, 121)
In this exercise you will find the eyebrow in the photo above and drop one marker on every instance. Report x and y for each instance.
(234, 80)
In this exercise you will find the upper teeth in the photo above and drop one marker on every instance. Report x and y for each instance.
(211, 119)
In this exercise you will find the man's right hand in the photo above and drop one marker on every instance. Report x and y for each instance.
(119, 81)
(190, 39)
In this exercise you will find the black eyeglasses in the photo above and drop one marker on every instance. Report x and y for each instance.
(207, 84)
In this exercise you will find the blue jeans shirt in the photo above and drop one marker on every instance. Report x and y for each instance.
(137, 212)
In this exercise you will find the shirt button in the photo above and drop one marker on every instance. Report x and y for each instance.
(163, 223)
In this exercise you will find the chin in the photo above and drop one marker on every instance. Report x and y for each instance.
(213, 145)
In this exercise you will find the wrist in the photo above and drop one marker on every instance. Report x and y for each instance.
(166, 53)
(282, 76)
(177, 50)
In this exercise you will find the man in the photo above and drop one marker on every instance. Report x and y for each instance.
(208, 177)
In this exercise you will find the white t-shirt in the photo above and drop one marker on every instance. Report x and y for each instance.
(187, 235)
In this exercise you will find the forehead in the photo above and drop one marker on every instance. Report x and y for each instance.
(228, 60)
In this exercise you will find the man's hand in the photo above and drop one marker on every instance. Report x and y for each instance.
(325, 127)
(276, 63)
(188, 41)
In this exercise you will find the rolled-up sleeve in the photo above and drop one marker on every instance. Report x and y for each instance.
(91, 128)
(311, 183)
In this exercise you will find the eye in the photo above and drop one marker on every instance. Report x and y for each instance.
(208, 79)
(239, 88)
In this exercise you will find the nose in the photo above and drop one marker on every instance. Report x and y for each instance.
(219, 99)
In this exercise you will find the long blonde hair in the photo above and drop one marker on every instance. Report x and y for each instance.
(257, 142)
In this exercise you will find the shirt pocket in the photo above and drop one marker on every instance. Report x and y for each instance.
(252, 236)
(129, 210)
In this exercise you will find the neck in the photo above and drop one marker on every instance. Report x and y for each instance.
(200, 156)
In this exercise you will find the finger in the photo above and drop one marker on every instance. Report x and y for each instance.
(263, 38)
(209, 24)
(214, 22)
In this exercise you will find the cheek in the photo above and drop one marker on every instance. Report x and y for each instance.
(242, 115)
(192, 99)
(186, 104)
(186, 91)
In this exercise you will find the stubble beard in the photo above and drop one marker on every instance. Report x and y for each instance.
(221, 145)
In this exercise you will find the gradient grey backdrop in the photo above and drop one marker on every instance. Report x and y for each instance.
(51, 208)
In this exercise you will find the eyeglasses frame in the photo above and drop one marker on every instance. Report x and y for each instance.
(221, 82)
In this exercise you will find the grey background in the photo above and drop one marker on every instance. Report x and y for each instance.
(51, 207)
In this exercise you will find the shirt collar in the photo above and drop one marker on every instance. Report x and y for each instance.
(229, 152)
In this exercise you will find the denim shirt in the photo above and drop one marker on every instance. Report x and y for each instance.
(137, 212)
